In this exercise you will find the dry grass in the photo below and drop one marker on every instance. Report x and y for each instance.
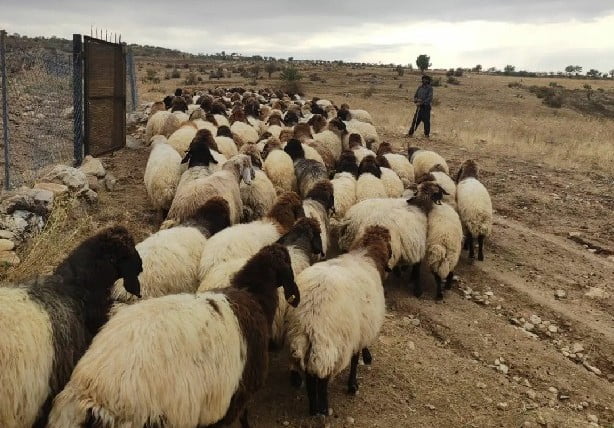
(66, 227)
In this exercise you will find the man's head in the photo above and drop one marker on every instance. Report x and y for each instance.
(426, 80)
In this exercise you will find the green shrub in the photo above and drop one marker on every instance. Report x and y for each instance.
(175, 74)
(191, 79)
(554, 100)
(368, 93)
(436, 81)
(453, 80)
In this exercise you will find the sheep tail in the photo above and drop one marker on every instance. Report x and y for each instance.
(437, 260)
(299, 350)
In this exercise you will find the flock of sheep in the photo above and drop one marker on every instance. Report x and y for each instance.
(281, 219)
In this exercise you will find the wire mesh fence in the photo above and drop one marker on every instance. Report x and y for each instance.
(39, 101)
(39, 104)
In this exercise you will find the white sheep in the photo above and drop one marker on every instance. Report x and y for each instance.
(162, 174)
(424, 160)
(318, 204)
(171, 257)
(226, 146)
(245, 132)
(398, 163)
(444, 239)
(180, 139)
(369, 185)
(332, 137)
(136, 374)
(392, 183)
(244, 240)
(344, 191)
(341, 313)
(366, 130)
(225, 183)
(279, 167)
(474, 207)
(161, 123)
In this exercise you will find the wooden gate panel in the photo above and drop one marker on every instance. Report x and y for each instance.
(105, 96)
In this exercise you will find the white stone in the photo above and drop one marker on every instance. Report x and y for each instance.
(74, 178)
(55, 188)
(93, 166)
(9, 258)
(6, 245)
(535, 319)
(553, 329)
(593, 419)
(577, 347)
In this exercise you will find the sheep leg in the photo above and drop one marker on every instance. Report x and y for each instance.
(352, 381)
(466, 243)
(415, 277)
(470, 244)
(243, 419)
(449, 280)
(439, 295)
(323, 395)
(312, 393)
(481, 248)
(295, 379)
(366, 356)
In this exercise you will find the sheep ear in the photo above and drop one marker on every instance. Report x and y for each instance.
(442, 190)
(411, 200)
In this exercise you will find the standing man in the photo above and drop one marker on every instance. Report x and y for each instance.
(423, 100)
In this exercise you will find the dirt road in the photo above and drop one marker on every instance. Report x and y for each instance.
(526, 338)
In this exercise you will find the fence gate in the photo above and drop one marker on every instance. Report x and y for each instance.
(105, 96)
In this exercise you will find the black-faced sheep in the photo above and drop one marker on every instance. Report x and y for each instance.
(216, 358)
(48, 323)
(308, 171)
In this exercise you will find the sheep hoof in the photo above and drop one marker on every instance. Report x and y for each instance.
(367, 358)
(295, 379)
(353, 388)
(481, 257)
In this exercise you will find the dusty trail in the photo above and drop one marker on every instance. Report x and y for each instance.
(434, 364)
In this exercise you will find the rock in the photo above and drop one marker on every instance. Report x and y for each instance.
(502, 406)
(531, 394)
(93, 166)
(74, 178)
(37, 201)
(577, 347)
(553, 329)
(592, 418)
(528, 326)
(110, 182)
(92, 182)
(6, 245)
(503, 368)
(286, 423)
(489, 294)
(411, 346)
(560, 294)
(89, 195)
(597, 293)
(535, 320)
(429, 406)
(6, 234)
(349, 420)
(68, 113)
(592, 368)
(56, 189)
(415, 322)
(40, 116)
(133, 143)
(553, 390)
(9, 258)
(574, 234)
(481, 385)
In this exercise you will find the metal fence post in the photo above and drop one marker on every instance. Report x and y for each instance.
(5, 111)
(77, 84)
(132, 74)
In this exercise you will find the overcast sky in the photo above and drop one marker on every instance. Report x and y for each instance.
(540, 35)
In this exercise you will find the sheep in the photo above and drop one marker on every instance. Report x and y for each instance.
(369, 185)
(474, 207)
(279, 167)
(258, 198)
(318, 204)
(342, 311)
(156, 107)
(47, 323)
(344, 184)
(225, 183)
(201, 163)
(161, 123)
(355, 144)
(244, 240)
(366, 130)
(244, 132)
(318, 123)
(392, 183)
(162, 174)
(444, 238)
(171, 257)
(181, 138)
(424, 160)
(332, 137)
(444, 180)
(361, 115)
(405, 219)
(308, 171)
(398, 163)
(214, 362)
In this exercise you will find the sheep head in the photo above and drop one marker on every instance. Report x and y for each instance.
(468, 169)
(376, 240)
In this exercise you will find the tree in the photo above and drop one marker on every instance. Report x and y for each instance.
(290, 58)
(593, 73)
(270, 68)
(492, 69)
(509, 69)
(255, 69)
(612, 73)
(570, 69)
(477, 68)
(290, 74)
(423, 62)
(577, 69)
(400, 70)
